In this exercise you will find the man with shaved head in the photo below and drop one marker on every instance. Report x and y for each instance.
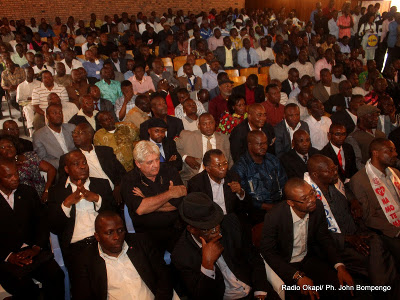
(291, 231)
(362, 250)
(295, 161)
(262, 175)
(377, 188)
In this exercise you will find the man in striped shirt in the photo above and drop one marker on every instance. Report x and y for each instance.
(39, 97)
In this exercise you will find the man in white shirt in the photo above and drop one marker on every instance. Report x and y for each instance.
(279, 70)
(303, 65)
(318, 124)
(125, 267)
(40, 66)
(191, 59)
(265, 53)
(69, 109)
(70, 62)
(332, 26)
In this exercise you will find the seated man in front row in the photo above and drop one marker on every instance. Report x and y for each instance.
(213, 259)
(119, 266)
(291, 233)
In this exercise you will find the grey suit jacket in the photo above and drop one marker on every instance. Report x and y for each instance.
(283, 143)
(190, 143)
(321, 94)
(373, 215)
(388, 126)
(48, 148)
(221, 56)
(165, 75)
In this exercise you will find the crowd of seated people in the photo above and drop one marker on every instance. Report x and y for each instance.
(228, 143)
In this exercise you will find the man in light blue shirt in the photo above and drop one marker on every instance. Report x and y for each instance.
(209, 80)
(332, 25)
(109, 89)
(247, 56)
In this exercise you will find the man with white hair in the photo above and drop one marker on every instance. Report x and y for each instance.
(152, 193)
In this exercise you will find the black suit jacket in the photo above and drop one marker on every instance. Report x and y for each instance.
(293, 164)
(283, 143)
(335, 100)
(238, 138)
(63, 226)
(277, 239)
(24, 145)
(91, 273)
(81, 119)
(201, 183)
(394, 136)
(242, 259)
(108, 162)
(286, 88)
(259, 94)
(169, 147)
(26, 223)
(349, 160)
(122, 64)
(174, 128)
(203, 68)
(106, 28)
(342, 117)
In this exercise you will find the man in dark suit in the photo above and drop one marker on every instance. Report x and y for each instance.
(348, 117)
(169, 47)
(98, 276)
(86, 114)
(256, 120)
(340, 152)
(251, 90)
(10, 128)
(340, 101)
(285, 129)
(295, 160)
(220, 54)
(24, 252)
(159, 109)
(168, 153)
(101, 104)
(118, 63)
(101, 160)
(290, 84)
(210, 248)
(293, 258)
(73, 206)
(219, 183)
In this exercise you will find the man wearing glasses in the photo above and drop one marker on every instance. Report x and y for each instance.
(213, 259)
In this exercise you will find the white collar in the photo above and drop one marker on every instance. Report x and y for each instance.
(214, 182)
(125, 248)
(290, 128)
(89, 152)
(73, 185)
(296, 218)
(336, 149)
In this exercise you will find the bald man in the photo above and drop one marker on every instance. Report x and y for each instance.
(362, 250)
(87, 113)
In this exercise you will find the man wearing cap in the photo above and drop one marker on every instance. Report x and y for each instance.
(168, 153)
(213, 259)
(365, 132)
(218, 105)
(152, 192)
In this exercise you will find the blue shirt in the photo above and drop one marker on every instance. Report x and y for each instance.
(242, 58)
(392, 36)
(209, 80)
(110, 91)
(344, 48)
(263, 182)
(128, 74)
(93, 69)
(312, 17)
(48, 33)
(205, 33)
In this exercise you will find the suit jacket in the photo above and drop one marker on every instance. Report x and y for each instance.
(183, 81)
(242, 259)
(349, 159)
(238, 138)
(47, 147)
(277, 239)
(25, 145)
(335, 100)
(283, 143)
(221, 56)
(108, 162)
(174, 128)
(286, 88)
(26, 223)
(388, 126)
(373, 215)
(190, 143)
(165, 50)
(293, 164)
(105, 28)
(201, 183)
(203, 68)
(342, 117)
(169, 147)
(321, 94)
(91, 273)
(394, 136)
(59, 223)
(259, 94)
(165, 75)
(122, 64)
(76, 120)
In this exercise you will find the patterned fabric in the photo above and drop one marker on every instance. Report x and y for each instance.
(29, 172)
(228, 122)
(372, 98)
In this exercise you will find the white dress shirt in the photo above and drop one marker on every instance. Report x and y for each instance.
(123, 280)
(196, 71)
(60, 139)
(276, 72)
(24, 89)
(75, 65)
(91, 119)
(95, 169)
(303, 110)
(204, 140)
(306, 69)
(300, 236)
(9, 199)
(86, 213)
(353, 117)
(292, 131)
(218, 193)
(318, 131)
(336, 149)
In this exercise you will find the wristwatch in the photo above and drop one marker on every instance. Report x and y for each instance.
(298, 275)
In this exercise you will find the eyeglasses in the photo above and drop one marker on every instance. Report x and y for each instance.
(220, 165)
(79, 132)
(214, 230)
(306, 198)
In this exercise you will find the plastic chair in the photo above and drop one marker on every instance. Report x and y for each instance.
(55, 246)
(179, 61)
(247, 71)
(264, 70)
(263, 79)
(200, 61)
(167, 62)
(81, 56)
(232, 73)
(156, 50)
(238, 80)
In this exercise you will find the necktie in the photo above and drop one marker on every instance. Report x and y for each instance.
(305, 158)
(96, 106)
(209, 146)
(162, 159)
(293, 87)
(248, 57)
(339, 157)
